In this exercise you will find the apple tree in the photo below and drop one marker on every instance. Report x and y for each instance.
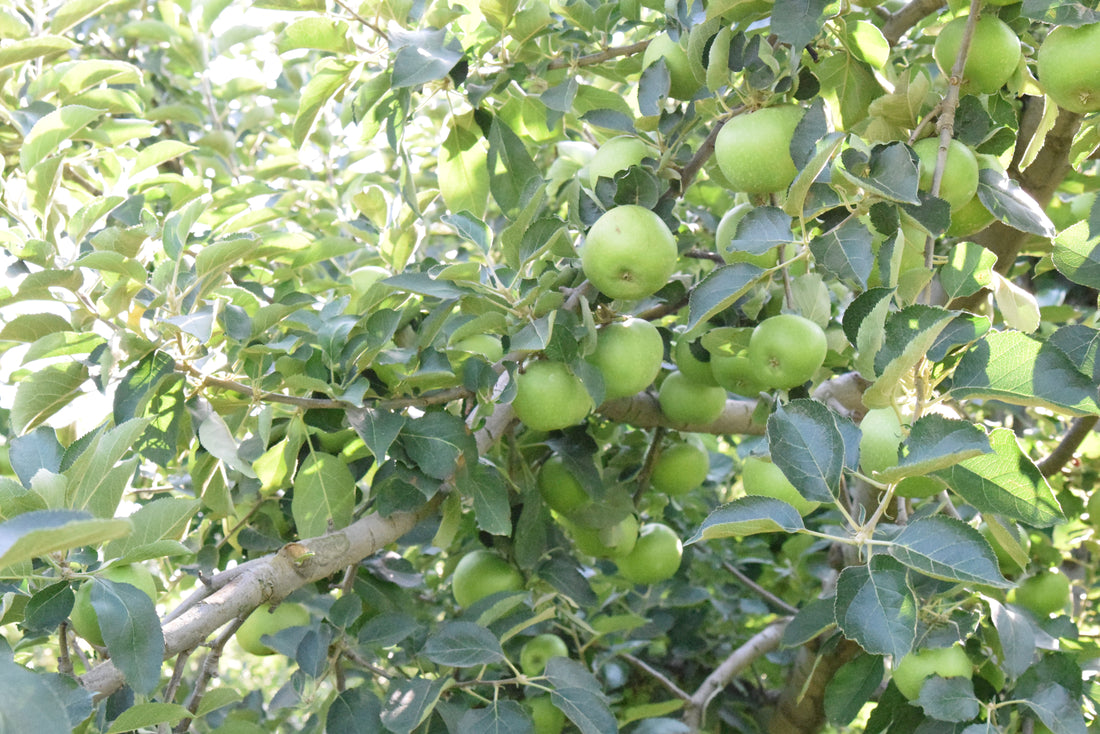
(545, 365)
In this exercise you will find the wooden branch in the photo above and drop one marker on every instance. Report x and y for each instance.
(599, 57)
(1063, 452)
(900, 22)
(758, 645)
(643, 411)
(801, 706)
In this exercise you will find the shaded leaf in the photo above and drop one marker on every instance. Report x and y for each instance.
(489, 490)
(1008, 202)
(845, 252)
(39, 532)
(969, 268)
(1017, 638)
(324, 493)
(1077, 255)
(131, 630)
(748, 516)
(719, 290)
(410, 702)
(851, 687)
(936, 442)
(352, 711)
(808, 447)
(876, 608)
(949, 549)
(148, 715)
(30, 703)
(377, 428)
(949, 699)
(463, 645)
(816, 617)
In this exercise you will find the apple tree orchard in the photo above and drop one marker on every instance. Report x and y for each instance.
(549, 365)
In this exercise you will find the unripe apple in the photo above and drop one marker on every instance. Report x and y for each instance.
(265, 621)
(550, 397)
(993, 56)
(629, 253)
(683, 84)
(880, 439)
(628, 355)
(688, 402)
(85, 620)
(753, 150)
(481, 573)
(1069, 67)
(618, 154)
(913, 669)
(536, 653)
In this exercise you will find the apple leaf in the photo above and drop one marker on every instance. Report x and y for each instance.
(748, 516)
(851, 687)
(718, 291)
(910, 333)
(40, 395)
(799, 192)
(148, 715)
(463, 645)
(797, 21)
(377, 428)
(324, 493)
(498, 716)
(1005, 482)
(936, 442)
(489, 490)
(1077, 255)
(410, 702)
(962, 330)
(808, 447)
(890, 172)
(875, 607)
(949, 549)
(30, 702)
(586, 709)
(817, 616)
(1081, 344)
(436, 441)
(949, 699)
(762, 229)
(1017, 637)
(131, 631)
(40, 532)
(1009, 203)
(968, 269)
(845, 252)
(352, 711)
(1018, 369)
(1056, 708)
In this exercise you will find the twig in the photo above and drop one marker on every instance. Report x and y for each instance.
(657, 675)
(706, 150)
(901, 21)
(699, 254)
(365, 664)
(766, 595)
(177, 675)
(1063, 452)
(599, 57)
(208, 670)
(64, 660)
(374, 27)
(650, 461)
(657, 312)
(758, 645)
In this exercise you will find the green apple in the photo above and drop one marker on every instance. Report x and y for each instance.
(999, 537)
(690, 403)
(970, 218)
(629, 253)
(724, 234)
(560, 490)
(550, 397)
(547, 718)
(913, 669)
(680, 468)
(960, 173)
(481, 573)
(919, 487)
(267, 621)
(85, 621)
(1069, 67)
(760, 477)
(879, 440)
(628, 354)
(753, 150)
(695, 369)
(993, 56)
(1045, 593)
(618, 154)
(654, 558)
(536, 653)
(683, 84)
(787, 350)
(607, 542)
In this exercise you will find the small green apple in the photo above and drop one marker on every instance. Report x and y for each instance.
(550, 397)
(787, 350)
(536, 653)
(629, 253)
(560, 490)
(688, 402)
(618, 154)
(606, 542)
(481, 573)
(655, 557)
(695, 369)
(680, 468)
(84, 619)
(683, 84)
(916, 667)
(753, 150)
(547, 718)
(266, 621)
(880, 439)
(960, 173)
(628, 354)
(1045, 593)
(760, 477)
(1069, 67)
(993, 56)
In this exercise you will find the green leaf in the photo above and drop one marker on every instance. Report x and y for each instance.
(949, 549)
(49, 607)
(876, 607)
(324, 491)
(470, 228)
(215, 437)
(328, 78)
(851, 687)
(159, 152)
(512, 171)
(16, 499)
(217, 257)
(889, 172)
(1018, 307)
(410, 702)
(1081, 344)
(33, 48)
(37, 533)
(436, 441)
(463, 645)
(113, 262)
(78, 77)
(969, 268)
(1017, 637)
(874, 301)
(762, 229)
(719, 290)
(585, 708)
(31, 704)
(489, 490)
(61, 343)
(1008, 202)
(1056, 708)
(162, 519)
(422, 57)
(1077, 255)
(499, 717)
(910, 333)
(148, 715)
(845, 252)
(797, 22)
(74, 11)
(748, 516)
(799, 191)
(463, 171)
(48, 133)
(935, 443)
(949, 699)
(377, 428)
(45, 392)
(131, 631)
(31, 327)
(1005, 482)
(808, 447)
(97, 480)
(323, 34)
(847, 85)
(1018, 369)
(816, 617)
(138, 384)
(353, 711)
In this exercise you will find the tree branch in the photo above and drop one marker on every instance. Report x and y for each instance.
(801, 705)
(758, 645)
(1063, 452)
(599, 57)
(898, 24)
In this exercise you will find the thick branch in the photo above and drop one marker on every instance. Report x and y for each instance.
(268, 580)
(643, 411)
(801, 706)
(758, 645)
(900, 22)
